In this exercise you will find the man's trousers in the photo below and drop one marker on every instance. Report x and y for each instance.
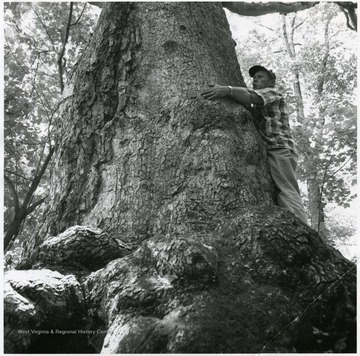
(283, 164)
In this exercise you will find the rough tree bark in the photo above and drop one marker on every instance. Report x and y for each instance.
(162, 210)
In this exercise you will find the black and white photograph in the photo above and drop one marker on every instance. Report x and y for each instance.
(179, 177)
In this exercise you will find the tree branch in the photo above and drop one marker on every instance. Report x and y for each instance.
(16, 174)
(73, 24)
(98, 4)
(26, 72)
(268, 28)
(45, 28)
(286, 37)
(62, 52)
(14, 193)
(258, 9)
(24, 209)
(40, 159)
(348, 24)
(8, 47)
(36, 180)
(349, 9)
(255, 9)
(33, 206)
(338, 170)
(299, 24)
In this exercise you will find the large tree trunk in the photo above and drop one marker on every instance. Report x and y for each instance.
(140, 153)
(187, 250)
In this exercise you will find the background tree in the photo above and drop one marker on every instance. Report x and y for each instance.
(42, 43)
(184, 248)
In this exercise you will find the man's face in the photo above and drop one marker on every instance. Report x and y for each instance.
(262, 80)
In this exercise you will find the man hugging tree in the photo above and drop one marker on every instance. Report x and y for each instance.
(271, 112)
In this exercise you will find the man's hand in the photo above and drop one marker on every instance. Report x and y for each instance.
(216, 91)
(242, 95)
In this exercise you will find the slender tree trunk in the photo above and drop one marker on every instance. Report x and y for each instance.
(317, 184)
(26, 207)
(316, 203)
(183, 250)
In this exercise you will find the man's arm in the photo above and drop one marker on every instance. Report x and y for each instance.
(241, 95)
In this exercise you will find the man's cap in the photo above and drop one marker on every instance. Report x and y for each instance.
(256, 68)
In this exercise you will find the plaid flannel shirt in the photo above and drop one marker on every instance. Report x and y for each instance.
(273, 119)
